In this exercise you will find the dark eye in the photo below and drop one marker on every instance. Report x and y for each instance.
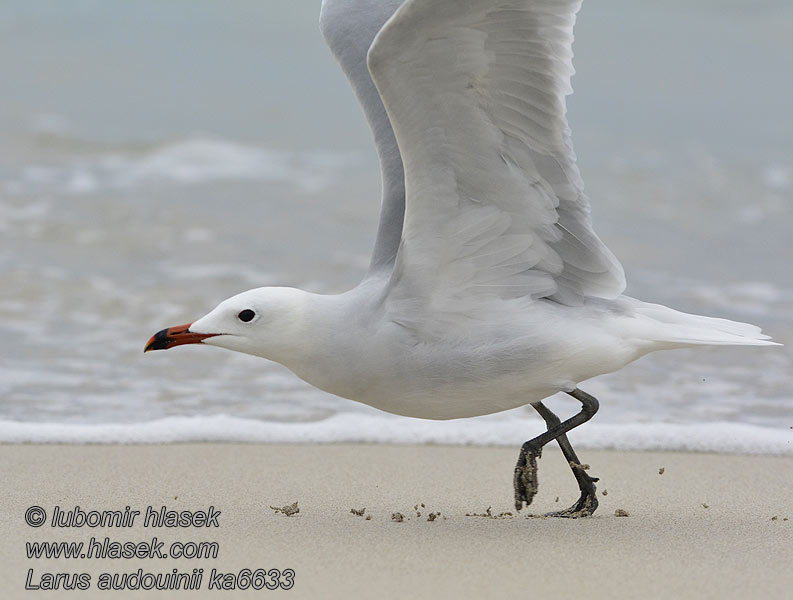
(246, 315)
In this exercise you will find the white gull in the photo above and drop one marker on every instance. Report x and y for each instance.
(488, 289)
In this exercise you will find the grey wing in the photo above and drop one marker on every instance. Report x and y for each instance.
(495, 206)
(349, 26)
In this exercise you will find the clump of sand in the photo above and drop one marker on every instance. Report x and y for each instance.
(488, 514)
(287, 510)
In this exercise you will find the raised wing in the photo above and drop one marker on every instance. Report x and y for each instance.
(349, 26)
(475, 91)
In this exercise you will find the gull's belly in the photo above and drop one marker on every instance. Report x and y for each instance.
(451, 383)
(463, 396)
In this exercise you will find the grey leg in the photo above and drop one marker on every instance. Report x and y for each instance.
(588, 502)
(525, 479)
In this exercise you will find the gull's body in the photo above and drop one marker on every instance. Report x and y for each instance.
(488, 288)
(510, 353)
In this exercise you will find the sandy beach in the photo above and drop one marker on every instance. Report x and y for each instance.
(709, 526)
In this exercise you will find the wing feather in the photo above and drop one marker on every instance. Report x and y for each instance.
(475, 91)
(349, 26)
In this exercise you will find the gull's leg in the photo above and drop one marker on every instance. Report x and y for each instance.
(588, 502)
(525, 480)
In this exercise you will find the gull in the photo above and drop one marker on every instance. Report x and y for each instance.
(488, 288)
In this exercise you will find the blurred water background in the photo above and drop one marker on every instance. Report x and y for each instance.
(158, 156)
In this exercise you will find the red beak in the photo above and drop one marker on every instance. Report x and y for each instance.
(175, 336)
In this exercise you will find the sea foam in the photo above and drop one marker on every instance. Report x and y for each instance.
(191, 161)
(360, 428)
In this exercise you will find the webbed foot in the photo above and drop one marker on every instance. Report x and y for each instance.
(525, 479)
(585, 506)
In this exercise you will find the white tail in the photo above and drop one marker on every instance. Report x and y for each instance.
(674, 328)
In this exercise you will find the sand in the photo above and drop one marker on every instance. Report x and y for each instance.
(707, 526)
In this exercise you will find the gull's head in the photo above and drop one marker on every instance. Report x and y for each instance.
(263, 322)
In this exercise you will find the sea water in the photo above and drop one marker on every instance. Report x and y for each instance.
(156, 158)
